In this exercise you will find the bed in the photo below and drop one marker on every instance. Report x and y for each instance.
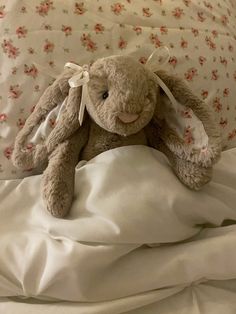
(136, 240)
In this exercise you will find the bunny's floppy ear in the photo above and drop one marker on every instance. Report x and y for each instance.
(187, 124)
(59, 105)
(189, 128)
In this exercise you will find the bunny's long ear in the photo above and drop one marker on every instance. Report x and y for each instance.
(188, 126)
(32, 147)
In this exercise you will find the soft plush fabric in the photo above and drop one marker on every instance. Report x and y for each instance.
(39, 36)
(144, 241)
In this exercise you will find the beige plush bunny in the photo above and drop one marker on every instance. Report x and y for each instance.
(126, 104)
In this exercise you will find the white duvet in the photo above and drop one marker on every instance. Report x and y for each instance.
(135, 234)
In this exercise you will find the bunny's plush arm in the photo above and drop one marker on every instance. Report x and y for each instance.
(190, 174)
(58, 178)
(54, 94)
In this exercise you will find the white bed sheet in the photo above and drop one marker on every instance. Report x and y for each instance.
(99, 253)
(215, 297)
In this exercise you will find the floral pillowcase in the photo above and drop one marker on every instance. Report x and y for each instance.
(38, 37)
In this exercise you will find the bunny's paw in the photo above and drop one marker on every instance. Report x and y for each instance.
(57, 195)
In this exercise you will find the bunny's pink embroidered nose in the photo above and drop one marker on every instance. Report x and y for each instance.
(128, 117)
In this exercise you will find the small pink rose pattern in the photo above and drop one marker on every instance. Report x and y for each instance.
(44, 7)
(201, 36)
(79, 8)
(2, 11)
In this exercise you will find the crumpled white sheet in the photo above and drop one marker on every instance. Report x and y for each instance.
(124, 199)
(212, 297)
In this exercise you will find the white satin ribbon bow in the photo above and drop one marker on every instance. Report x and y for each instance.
(80, 78)
(158, 59)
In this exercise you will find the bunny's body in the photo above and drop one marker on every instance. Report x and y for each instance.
(100, 140)
(124, 107)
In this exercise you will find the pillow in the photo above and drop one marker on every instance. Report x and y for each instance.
(39, 36)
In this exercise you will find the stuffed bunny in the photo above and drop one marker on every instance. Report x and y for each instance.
(126, 104)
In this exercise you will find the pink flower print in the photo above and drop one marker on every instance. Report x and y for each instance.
(210, 43)
(88, 43)
(44, 7)
(217, 105)
(208, 5)
(122, 44)
(20, 123)
(143, 60)
(36, 88)
(188, 136)
(8, 152)
(99, 28)
(14, 70)
(186, 113)
(215, 33)
(201, 17)
(8, 48)
(214, 75)
(30, 147)
(31, 70)
(146, 12)
(195, 31)
(117, 8)
(183, 43)
(3, 117)
(201, 60)
(47, 27)
(173, 61)
(187, 2)
(226, 92)
(223, 61)
(164, 30)
(224, 19)
(52, 123)
(138, 30)
(14, 92)
(187, 57)
(178, 12)
(155, 40)
(23, 9)
(232, 134)
(230, 48)
(223, 122)
(48, 46)
(204, 94)
(51, 64)
(190, 74)
(21, 32)
(31, 50)
(67, 30)
(2, 11)
(79, 8)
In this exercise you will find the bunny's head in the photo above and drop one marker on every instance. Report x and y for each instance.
(122, 95)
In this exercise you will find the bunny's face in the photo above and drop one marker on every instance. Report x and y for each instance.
(122, 93)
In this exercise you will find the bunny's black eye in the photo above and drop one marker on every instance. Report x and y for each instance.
(105, 95)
